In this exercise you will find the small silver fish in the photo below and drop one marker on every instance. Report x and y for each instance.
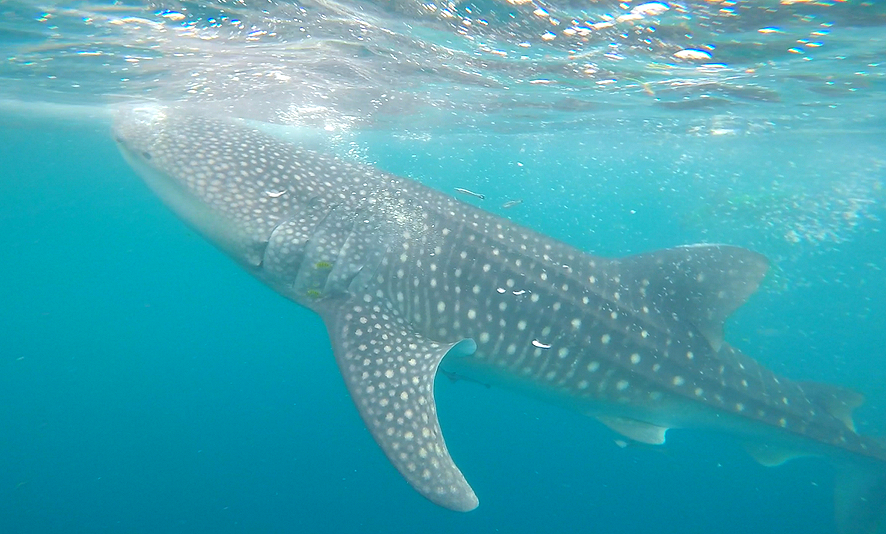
(469, 192)
(511, 203)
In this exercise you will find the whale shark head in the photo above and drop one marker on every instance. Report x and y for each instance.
(235, 190)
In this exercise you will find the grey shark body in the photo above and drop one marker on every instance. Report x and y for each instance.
(404, 276)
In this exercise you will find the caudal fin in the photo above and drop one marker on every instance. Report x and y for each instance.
(860, 499)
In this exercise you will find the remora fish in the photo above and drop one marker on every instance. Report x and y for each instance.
(404, 276)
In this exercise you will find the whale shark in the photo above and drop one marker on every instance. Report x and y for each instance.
(411, 282)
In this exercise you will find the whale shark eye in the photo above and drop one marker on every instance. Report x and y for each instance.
(146, 154)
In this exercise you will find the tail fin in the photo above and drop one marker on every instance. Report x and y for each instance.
(860, 499)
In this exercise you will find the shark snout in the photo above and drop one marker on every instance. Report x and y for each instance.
(221, 186)
(136, 126)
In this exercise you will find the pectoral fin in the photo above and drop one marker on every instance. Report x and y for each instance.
(771, 455)
(636, 430)
(389, 371)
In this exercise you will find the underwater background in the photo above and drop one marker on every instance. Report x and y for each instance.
(147, 384)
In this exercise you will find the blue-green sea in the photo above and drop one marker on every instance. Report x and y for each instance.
(149, 385)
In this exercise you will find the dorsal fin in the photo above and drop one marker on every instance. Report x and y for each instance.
(837, 401)
(703, 284)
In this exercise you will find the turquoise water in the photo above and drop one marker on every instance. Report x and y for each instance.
(149, 385)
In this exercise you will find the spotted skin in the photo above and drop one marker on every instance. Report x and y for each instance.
(404, 275)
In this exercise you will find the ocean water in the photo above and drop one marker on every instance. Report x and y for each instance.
(148, 385)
